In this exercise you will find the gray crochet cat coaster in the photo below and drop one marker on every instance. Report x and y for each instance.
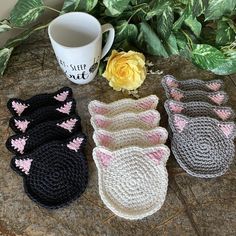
(169, 81)
(194, 109)
(216, 98)
(203, 147)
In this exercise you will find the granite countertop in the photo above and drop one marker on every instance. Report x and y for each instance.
(193, 206)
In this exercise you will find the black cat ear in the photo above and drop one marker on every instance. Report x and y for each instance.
(17, 106)
(67, 107)
(69, 123)
(63, 94)
(21, 124)
(22, 165)
(77, 142)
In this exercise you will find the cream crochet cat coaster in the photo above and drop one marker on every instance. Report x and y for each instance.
(130, 137)
(216, 98)
(204, 147)
(169, 81)
(194, 109)
(144, 120)
(132, 181)
(123, 105)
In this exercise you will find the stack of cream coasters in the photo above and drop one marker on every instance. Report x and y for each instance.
(202, 130)
(130, 156)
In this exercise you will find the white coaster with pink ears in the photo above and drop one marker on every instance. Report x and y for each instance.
(130, 156)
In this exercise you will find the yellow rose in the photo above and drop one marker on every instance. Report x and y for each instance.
(125, 70)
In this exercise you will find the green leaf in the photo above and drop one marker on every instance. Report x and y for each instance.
(224, 34)
(194, 25)
(157, 9)
(183, 15)
(87, 5)
(198, 6)
(25, 12)
(228, 66)
(218, 8)
(165, 23)
(116, 7)
(149, 41)
(124, 31)
(207, 57)
(5, 54)
(171, 45)
(69, 5)
(4, 26)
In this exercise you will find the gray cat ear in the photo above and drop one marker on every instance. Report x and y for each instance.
(214, 86)
(228, 129)
(171, 82)
(175, 107)
(180, 122)
(223, 114)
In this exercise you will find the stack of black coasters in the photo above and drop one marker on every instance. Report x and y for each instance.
(48, 147)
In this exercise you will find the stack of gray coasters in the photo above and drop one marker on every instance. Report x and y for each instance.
(202, 129)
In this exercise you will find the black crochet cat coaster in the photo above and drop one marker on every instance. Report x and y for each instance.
(23, 123)
(56, 173)
(19, 107)
(42, 133)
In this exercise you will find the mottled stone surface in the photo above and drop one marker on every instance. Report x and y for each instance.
(193, 206)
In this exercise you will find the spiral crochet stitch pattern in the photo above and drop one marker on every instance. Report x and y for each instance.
(123, 105)
(22, 123)
(42, 133)
(194, 109)
(132, 181)
(130, 137)
(203, 146)
(145, 120)
(169, 81)
(54, 174)
(19, 107)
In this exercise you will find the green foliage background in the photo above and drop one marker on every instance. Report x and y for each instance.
(204, 31)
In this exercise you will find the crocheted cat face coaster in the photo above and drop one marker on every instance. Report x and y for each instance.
(144, 120)
(56, 173)
(216, 98)
(170, 81)
(124, 105)
(203, 146)
(132, 181)
(42, 133)
(23, 123)
(130, 137)
(20, 107)
(194, 109)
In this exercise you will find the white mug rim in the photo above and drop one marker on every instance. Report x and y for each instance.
(74, 13)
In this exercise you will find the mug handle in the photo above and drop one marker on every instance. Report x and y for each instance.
(110, 38)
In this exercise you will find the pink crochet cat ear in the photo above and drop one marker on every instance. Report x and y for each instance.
(157, 136)
(176, 95)
(180, 122)
(159, 155)
(75, 144)
(23, 165)
(214, 86)
(21, 125)
(228, 129)
(217, 98)
(98, 108)
(103, 157)
(175, 107)
(102, 122)
(18, 144)
(223, 114)
(61, 96)
(103, 138)
(66, 108)
(149, 102)
(68, 124)
(171, 82)
(19, 106)
(150, 118)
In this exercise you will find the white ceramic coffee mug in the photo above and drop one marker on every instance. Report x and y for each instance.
(76, 38)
